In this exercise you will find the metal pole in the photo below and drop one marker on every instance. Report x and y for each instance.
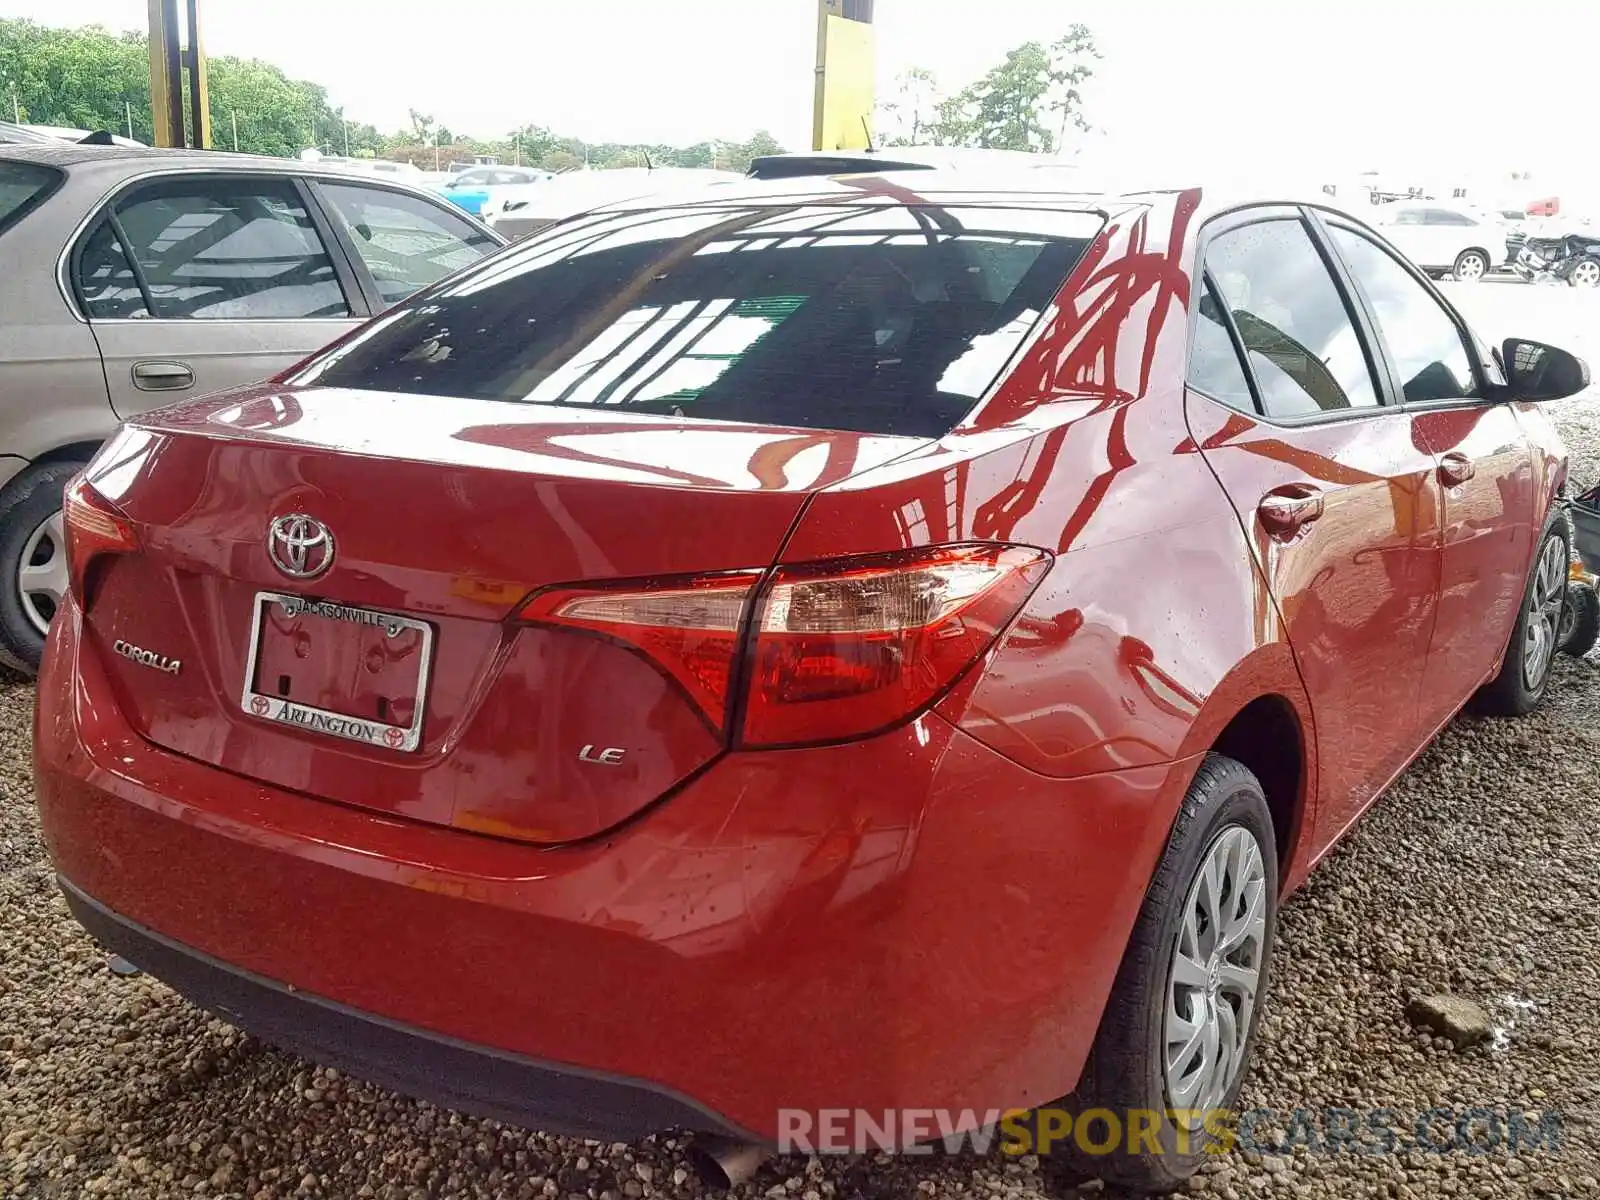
(166, 74)
(235, 118)
(199, 91)
(128, 105)
(16, 106)
(346, 122)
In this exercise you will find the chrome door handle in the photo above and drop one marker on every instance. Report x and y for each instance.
(1456, 468)
(162, 376)
(1286, 510)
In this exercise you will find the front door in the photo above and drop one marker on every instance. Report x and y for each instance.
(193, 284)
(1338, 492)
(1485, 466)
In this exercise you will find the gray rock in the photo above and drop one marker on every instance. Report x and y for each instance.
(1457, 1020)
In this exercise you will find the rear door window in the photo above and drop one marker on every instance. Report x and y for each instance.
(22, 186)
(407, 242)
(1300, 339)
(883, 318)
(211, 249)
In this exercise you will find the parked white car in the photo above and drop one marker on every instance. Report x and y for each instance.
(1444, 238)
(519, 209)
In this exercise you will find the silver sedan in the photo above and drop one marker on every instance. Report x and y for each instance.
(137, 276)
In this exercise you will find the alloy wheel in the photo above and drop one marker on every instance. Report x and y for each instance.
(1215, 972)
(42, 575)
(1471, 267)
(1586, 273)
(1546, 598)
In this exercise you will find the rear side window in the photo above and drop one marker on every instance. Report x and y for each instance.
(1298, 335)
(406, 242)
(23, 185)
(1214, 366)
(106, 281)
(882, 319)
(213, 249)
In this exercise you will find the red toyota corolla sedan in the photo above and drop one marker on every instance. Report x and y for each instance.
(831, 645)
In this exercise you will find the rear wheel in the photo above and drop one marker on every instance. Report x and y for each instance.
(1580, 620)
(1525, 671)
(1585, 273)
(33, 563)
(1470, 266)
(1180, 1026)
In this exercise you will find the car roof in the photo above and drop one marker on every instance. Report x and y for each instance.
(111, 165)
(74, 154)
(1028, 186)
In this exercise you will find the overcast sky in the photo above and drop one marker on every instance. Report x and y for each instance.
(1307, 84)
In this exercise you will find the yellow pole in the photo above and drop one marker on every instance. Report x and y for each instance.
(820, 99)
(199, 89)
(846, 75)
(166, 73)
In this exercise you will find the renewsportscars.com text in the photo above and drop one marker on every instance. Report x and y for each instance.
(1376, 1131)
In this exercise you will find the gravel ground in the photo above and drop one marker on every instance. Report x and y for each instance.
(1475, 875)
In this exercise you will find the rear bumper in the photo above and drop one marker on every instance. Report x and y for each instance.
(907, 922)
(453, 1074)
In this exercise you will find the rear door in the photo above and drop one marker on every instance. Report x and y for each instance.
(195, 283)
(1337, 491)
(1486, 467)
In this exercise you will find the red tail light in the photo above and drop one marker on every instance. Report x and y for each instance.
(689, 628)
(837, 650)
(842, 651)
(93, 526)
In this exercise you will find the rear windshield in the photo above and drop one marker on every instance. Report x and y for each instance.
(22, 185)
(883, 319)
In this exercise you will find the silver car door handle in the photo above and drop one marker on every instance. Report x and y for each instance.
(162, 376)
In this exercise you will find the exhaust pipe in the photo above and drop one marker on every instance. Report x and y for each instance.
(725, 1162)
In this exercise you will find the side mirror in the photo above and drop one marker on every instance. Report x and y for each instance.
(1535, 371)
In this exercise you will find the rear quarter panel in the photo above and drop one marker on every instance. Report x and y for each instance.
(1153, 627)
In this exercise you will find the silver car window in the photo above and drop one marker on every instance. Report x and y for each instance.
(225, 249)
(406, 242)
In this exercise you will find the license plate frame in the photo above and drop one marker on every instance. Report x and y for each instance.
(292, 714)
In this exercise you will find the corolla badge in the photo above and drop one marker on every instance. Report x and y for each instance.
(147, 658)
(301, 546)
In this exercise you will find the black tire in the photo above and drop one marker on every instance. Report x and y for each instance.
(1468, 259)
(34, 497)
(1580, 622)
(1126, 1071)
(1588, 267)
(1509, 693)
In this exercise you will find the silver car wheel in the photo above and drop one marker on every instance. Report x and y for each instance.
(1215, 973)
(1470, 267)
(1546, 598)
(1586, 273)
(42, 576)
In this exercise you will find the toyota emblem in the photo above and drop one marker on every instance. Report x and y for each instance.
(301, 546)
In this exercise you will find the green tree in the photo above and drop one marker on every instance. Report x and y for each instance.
(276, 115)
(1028, 102)
(84, 78)
(1070, 68)
(909, 119)
(90, 78)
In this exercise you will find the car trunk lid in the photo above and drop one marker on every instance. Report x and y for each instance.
(380, 667)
